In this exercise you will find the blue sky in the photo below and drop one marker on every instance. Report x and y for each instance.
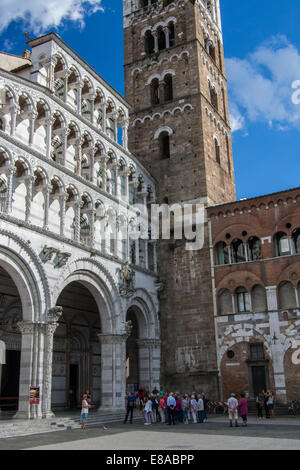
(262, 49)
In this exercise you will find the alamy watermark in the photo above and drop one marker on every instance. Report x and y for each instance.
(159, 222)
(296, 354)
(296, 94)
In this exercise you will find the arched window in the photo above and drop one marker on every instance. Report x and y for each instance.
(254, 249)
(164, 144)
(214, 98)
(222, 252)
(171, 28)
(210, 49)
(282, 244)
(228, 155)
(168, 88)
(296, 240)
(154, 87)
(243, 301)
(224, 104)
(149, 43)
(217, 151)
(259, 299)
(161, 39)
(225, 302)
(238, 251)
(287, 295)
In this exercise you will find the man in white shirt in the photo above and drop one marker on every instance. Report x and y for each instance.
(233, 410)
(171, 405)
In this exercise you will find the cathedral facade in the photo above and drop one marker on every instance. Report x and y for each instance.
(74, 313)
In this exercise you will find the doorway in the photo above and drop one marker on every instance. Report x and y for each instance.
(258, 379)
(10, 380)
(73, 389)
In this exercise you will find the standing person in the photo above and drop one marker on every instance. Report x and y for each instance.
(171, 405)
(194, 409)
(148, 412)
(205, 401)
(177, 408)
(270, 404)
(166, 408)
(201, 412)
(89, 397)
(161, 409)
(233, 410)
(265, 397)
(130, 400)
(84, 411)
(154, 408)
(185, 407)
(259, 406)
(243, 408)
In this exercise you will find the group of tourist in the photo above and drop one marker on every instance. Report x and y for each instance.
(169, 408)
(265, 401)
(172, 408)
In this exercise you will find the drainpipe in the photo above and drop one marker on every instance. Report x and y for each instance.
(212, 264)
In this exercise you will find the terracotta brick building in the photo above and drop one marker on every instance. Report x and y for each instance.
(256, 284)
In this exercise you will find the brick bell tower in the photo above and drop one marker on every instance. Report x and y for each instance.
(179, 129)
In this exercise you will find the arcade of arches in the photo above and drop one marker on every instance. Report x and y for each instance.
(74, 348)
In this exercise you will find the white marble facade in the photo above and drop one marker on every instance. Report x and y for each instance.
(67, 180)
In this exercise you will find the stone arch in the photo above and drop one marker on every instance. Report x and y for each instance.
(100, 283)
(243, 335)
(148, 317)
(26, 270)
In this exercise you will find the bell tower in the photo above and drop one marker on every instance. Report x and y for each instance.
(179, 129)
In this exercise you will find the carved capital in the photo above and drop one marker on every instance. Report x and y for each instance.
(26, 328)
(54, 314)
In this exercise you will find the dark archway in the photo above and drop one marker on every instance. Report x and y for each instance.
(77, 352)
(10, 315)
(132, 353)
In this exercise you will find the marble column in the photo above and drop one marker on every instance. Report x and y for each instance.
(149, 363)
(104, 117)
(79, 93)
(28, 199)
(32, 118)
(62, 208)
(49, 124)
(10, 175)
(167, 34)
(13, 120)
(54, 315)
(26, 369)
(47, 192)
(155, 41)
(113, 368)
(277, 346)
(77, 209)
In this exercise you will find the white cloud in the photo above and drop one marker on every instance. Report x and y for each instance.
(8, 45)
(260, 86)
(40, 15)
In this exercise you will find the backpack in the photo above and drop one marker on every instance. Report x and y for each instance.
(131, 402)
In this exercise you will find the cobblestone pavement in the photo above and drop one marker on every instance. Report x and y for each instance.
(283, 433)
